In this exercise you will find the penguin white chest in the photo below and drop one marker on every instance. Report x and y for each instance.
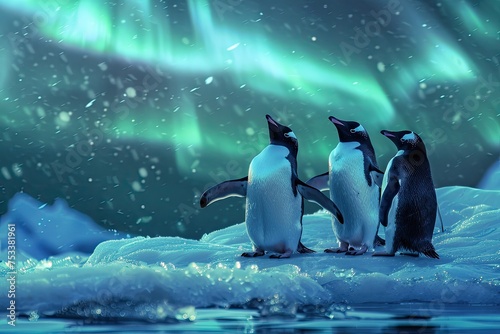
(357, 200)
(273, 212)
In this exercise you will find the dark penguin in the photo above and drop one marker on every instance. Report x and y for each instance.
(408, 205)
(354, 182)
(274, 196)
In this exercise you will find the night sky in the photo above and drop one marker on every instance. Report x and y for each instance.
(129, 110)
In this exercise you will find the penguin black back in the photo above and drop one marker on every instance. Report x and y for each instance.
(410, 173)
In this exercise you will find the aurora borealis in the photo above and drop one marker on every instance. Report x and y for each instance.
(129, 109)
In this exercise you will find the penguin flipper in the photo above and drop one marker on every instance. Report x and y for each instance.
(385, 204)
(319, 182)
(314, 195)
(223, 190)
(378, 240)
(376, 174)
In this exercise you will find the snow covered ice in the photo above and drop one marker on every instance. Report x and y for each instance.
(163, 278)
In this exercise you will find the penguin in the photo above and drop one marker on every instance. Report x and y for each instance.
(354, 181)
(408, 205)
(274, 196)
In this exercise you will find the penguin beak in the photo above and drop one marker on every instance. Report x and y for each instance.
(388, 134)
(271, 121)
(393, 136)
(336, 121)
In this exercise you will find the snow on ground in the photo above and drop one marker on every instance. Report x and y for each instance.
(169, 277)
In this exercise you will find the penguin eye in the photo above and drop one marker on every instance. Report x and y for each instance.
(359, 128)
(409, 137)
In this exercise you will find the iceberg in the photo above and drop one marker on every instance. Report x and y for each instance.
(491, 179)
(44, 230)
(165, 278)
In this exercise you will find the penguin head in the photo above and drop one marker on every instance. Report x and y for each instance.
(282, 135)
(350, 131)
(405, 140)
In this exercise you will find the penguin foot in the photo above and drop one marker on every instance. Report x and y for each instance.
(344, 247)
(353, 251)
(383, 253)
(285, 255)
(252, 254)
(335, 250)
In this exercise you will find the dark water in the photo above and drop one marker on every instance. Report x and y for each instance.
(385, 318)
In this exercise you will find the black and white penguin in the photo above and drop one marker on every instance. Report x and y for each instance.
(408, 205)
(354, 181)
(274, 196)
